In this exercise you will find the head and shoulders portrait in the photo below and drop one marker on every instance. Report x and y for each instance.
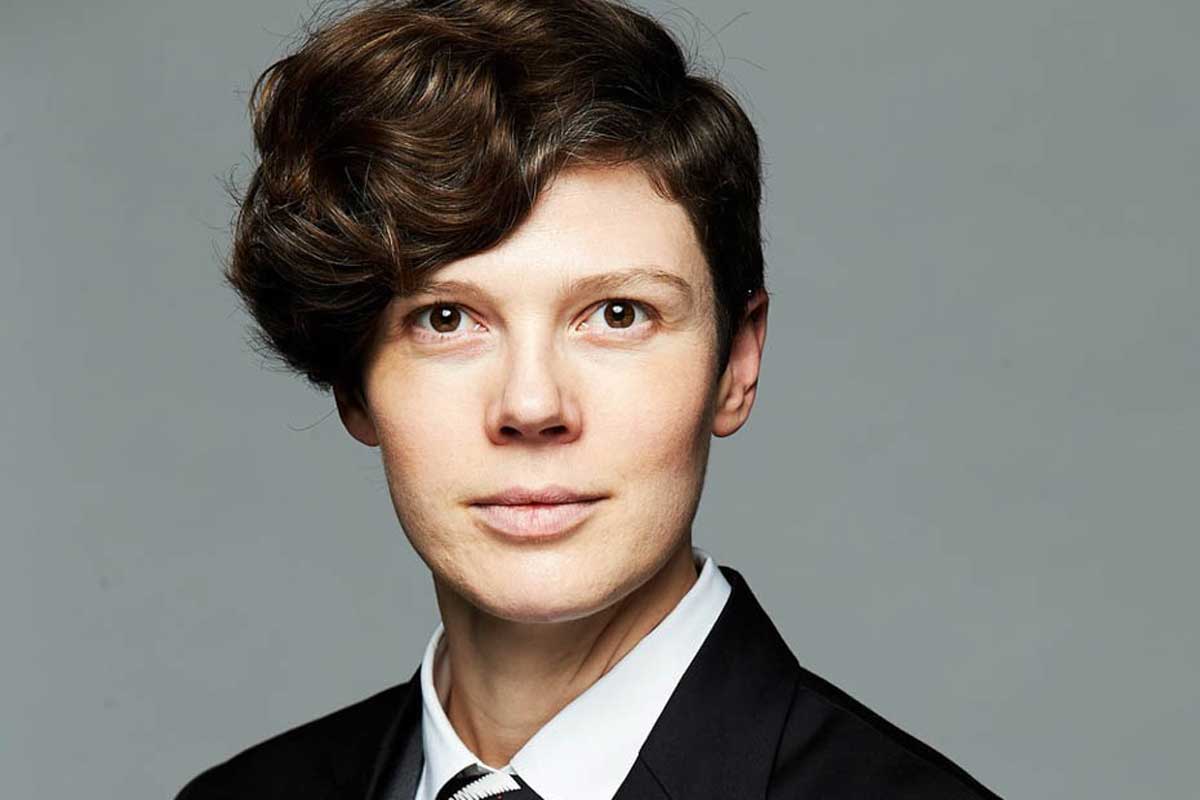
(520, 242)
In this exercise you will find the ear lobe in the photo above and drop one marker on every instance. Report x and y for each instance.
(738, 385)
(355, 418)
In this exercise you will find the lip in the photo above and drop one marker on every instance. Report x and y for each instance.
(534, 514)
(534, 521)
(546, 495)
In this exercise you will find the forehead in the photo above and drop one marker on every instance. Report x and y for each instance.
(589, 222)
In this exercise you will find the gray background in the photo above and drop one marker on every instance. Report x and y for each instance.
(967, 493)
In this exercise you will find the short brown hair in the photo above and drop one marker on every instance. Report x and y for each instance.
(401, 136)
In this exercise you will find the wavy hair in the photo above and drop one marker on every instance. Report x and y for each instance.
(401, 136)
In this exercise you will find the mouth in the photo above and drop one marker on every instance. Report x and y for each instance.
(535, 514)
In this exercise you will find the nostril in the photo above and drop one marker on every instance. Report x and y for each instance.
(553, 430)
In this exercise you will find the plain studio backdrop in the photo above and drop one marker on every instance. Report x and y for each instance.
(967, 494)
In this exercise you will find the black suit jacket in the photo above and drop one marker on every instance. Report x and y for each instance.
(745, 721)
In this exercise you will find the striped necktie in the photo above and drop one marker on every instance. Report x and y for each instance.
(476, 783)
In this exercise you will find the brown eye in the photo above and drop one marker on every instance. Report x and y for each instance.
(625, 317)
(619, 313)
(444, 318)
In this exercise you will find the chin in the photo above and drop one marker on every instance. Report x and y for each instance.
(542, 598)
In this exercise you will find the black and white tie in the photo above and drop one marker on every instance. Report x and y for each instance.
(477, 783)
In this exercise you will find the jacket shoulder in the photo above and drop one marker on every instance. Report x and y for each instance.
(833, 746)
(308, 761)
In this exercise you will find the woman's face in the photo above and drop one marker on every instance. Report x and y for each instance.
(578, 353)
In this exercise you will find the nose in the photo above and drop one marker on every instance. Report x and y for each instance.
(536, 401)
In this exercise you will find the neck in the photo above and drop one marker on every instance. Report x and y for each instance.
(501, 681)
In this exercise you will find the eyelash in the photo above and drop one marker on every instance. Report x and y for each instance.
(649, 311)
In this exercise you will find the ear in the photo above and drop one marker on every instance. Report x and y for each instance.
(355, 416)
(739, 383)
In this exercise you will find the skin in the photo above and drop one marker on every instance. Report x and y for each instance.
(536, 383)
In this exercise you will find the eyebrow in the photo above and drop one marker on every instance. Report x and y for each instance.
(607, 282)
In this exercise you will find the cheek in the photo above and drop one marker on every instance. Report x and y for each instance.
(659, 423)
(423, 452)
(424, 464)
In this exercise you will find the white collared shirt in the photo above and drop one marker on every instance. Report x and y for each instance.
(585, 751)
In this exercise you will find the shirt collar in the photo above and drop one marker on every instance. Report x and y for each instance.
(585, 751)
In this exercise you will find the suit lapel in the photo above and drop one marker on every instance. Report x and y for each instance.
(717, 735)
(641, 784)
(399, 759)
